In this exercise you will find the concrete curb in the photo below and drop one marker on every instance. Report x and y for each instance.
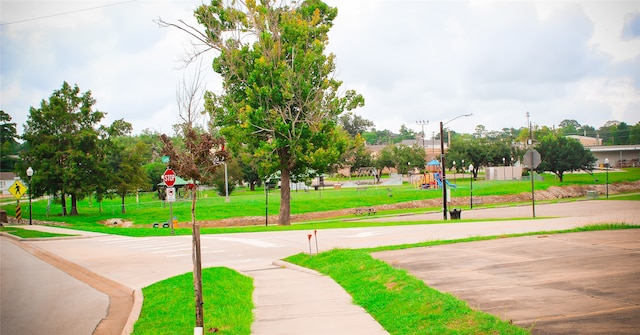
(283, 264)
(138, 300)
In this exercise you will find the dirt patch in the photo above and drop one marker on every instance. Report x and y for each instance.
(116, 222)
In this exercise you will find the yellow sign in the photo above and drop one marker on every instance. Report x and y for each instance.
(17, 189)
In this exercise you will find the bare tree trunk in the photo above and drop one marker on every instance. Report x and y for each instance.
(63, 202)
(74, 205)
(122, 196)
(197, 263)
(285, 197)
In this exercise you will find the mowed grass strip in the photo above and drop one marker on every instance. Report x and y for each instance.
(169, 305)
(403, 304)
(28, 233)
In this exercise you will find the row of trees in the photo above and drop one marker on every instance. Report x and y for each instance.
(74, 156)
(611, 133)
(281, 111)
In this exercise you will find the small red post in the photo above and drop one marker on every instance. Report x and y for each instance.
(309, 237)
(315, 234)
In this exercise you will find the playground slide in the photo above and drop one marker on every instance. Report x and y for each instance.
(448, 183)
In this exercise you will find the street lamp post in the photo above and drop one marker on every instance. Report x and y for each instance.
(471, 198)
(442, 161)
(30, 174)
(606, 167)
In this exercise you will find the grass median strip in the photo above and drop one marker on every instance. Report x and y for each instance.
(28, 233)
(169, 305)
(403, 304)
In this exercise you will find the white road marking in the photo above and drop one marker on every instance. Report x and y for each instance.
(366, 234)
(249, 241)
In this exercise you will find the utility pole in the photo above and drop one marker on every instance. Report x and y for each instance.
(422, 123)
(531, 172)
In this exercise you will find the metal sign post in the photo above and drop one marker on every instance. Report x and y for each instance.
(169, 179)
(171, 197)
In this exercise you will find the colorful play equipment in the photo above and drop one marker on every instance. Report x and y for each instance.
(432, 178)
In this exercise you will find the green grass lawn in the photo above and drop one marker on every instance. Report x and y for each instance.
(147, 209)
(169, 305)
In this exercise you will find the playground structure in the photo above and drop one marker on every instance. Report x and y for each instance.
(432, 178)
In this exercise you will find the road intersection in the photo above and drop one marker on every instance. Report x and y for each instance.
(138, 262)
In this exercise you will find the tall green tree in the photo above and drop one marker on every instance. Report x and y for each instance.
(561, 154)
(570, 127)
(8, 143)
(608, 132)
(357, 155)
(280, 100)
(64, 145)
(127, 174)
(354, 124)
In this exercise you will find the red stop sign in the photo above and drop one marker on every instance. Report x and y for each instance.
(169, 178)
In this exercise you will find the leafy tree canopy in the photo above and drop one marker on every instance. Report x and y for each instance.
(8, 143)
(280, 101)
(563, 154)
(66, 145)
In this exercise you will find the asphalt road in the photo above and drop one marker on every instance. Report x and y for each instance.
(139, 262)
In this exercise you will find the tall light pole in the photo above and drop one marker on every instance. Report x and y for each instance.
(606, 166)
(471, 198)
(30, 174)
(422, 123)
(444, 177)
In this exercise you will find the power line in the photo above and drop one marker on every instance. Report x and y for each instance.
(64, 13)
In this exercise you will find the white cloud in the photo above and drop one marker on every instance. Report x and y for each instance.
(412, 60)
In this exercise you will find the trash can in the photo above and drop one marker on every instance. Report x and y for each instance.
(455, 214)
(592, 195)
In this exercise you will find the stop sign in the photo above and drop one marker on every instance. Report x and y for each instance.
(532, 159)
(169, 178)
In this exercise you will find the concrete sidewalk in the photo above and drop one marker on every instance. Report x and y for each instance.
(294, 300)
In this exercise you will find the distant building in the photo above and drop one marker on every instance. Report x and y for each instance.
(619, 155)
(431, 148)
(586, 140)
(6, 180)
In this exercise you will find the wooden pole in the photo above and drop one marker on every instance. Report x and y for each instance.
(197, 266)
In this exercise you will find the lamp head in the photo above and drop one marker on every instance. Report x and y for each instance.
(29, 172)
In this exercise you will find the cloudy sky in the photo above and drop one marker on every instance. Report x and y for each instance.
(412, 60)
